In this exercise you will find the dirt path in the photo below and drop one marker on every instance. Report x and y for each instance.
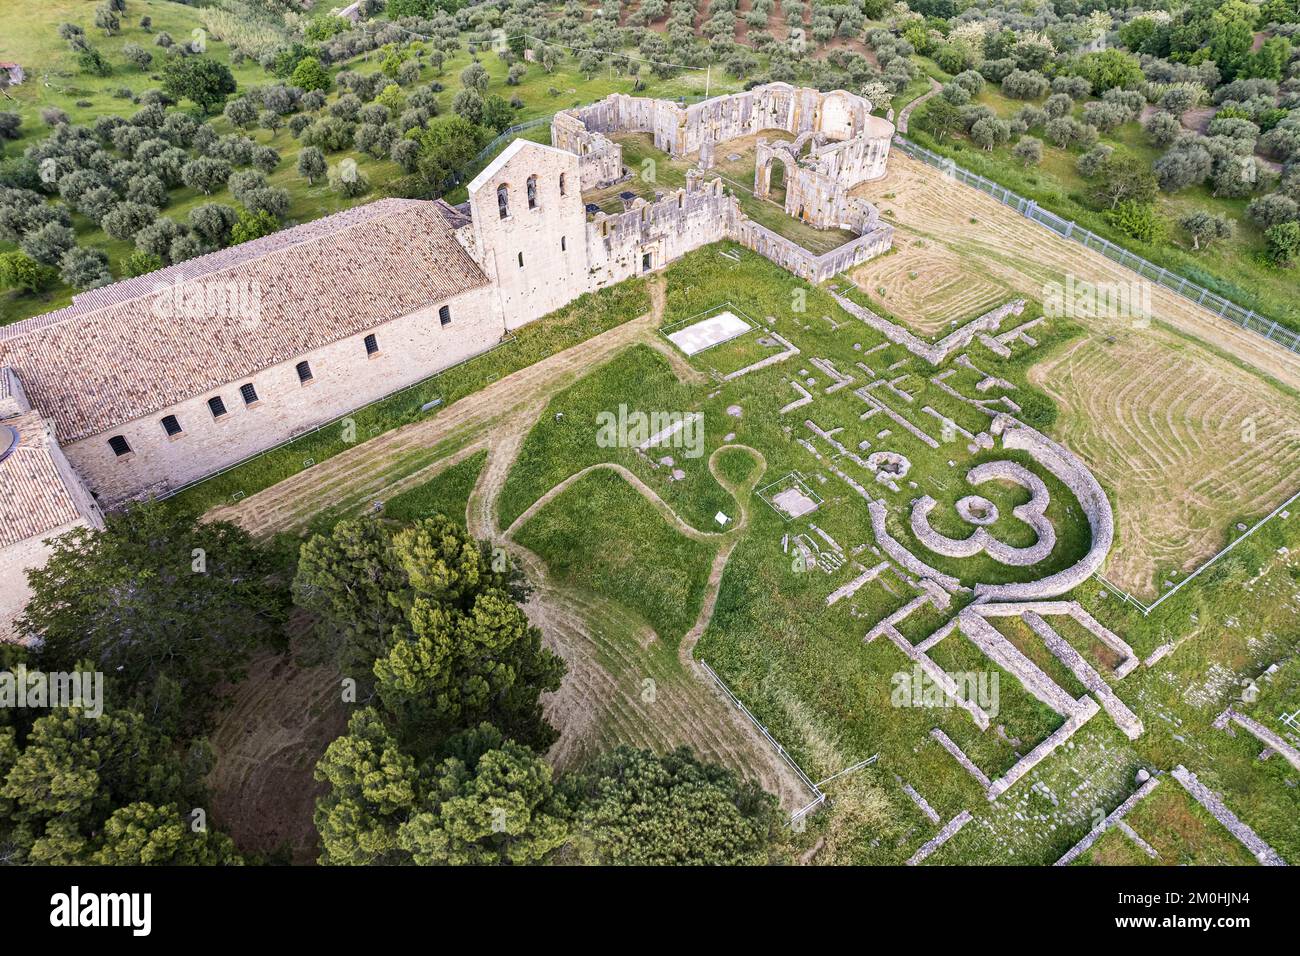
(709, 723)
(906, 112)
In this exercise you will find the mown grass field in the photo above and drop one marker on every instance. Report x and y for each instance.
(596, 535)
(446, 493)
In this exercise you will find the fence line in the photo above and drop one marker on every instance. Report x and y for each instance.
(1246, 318)
(818, 797)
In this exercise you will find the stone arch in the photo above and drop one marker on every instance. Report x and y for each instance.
(766, 156)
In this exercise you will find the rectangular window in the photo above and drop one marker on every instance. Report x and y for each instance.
(171, 426)
(372, 345)
(249, 393)
(561, 243)
(304, 372)
(119, 446)
(444, 315)
(521, 260)
(217, 406)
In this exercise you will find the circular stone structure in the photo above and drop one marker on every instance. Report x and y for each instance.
(977, 510)
(890, 462)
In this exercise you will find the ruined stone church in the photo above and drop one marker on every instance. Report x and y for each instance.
(146, 385)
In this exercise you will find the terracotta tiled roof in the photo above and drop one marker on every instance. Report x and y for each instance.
(137, 346)
(33, 496)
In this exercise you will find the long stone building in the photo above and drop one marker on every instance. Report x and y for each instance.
(146, 385)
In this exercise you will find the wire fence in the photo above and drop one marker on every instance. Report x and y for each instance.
(1068, 228)
(819, 798)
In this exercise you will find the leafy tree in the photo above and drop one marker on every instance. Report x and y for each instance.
(635, 808)
(1028, 150)
(241, 112)
(126, 219)
(310, 75)
(1272, 209)
(1109, 69)
(311, 164)
(329, 134)
(84, 268)
(212, 223)
(497, 113)
(1283, 242)
(1205, 228)
(348, 181)
(10, 124)
(1124, 178)
(156, 595)
(1025, 85)
(157, 237)
(106, 19)
(940, 117)
(1138, 220)
(1229, 47)
(20, 271)
(138, 55)
(201, 79)
(491, 802)
(72, 771)
(373, 790)
(475, 77)
(253, 224)
(447, 148)
(140, 263)
(48, 243)
(1187, 164)
(141, 834)
(205, 174)
(468, 103)
(487, 801)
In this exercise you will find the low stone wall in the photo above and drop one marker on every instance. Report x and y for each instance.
(950, 830)
(948, 744)
(1115, 816)
(1084, 672)
(1075, 610)
(1006, 655)
(1265, 736)
(1211, 802)
(1071, 472)
(901, 556)
(937, 353)
(1086, 710)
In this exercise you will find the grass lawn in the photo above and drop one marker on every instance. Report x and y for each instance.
(602, 535)
(446, 493)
